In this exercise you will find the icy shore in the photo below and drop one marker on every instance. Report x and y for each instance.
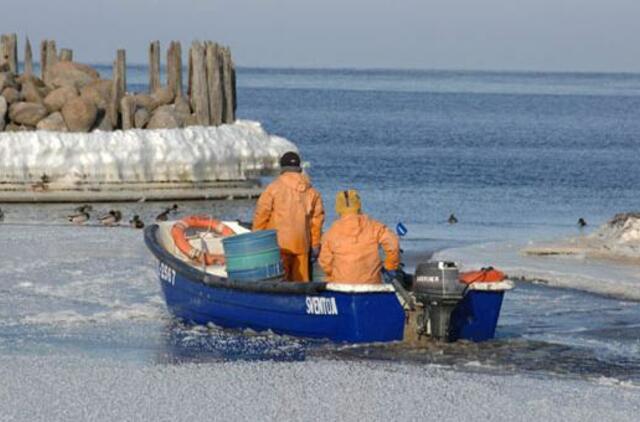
(193, 154)
(59, 388)
(604, 262)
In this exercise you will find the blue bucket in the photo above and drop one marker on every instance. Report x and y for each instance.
(253, 256)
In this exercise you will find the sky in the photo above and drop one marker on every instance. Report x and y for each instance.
(553, 35)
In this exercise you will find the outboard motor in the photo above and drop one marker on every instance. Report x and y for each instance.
(437, 287)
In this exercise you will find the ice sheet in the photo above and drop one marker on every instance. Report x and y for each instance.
(192, 154)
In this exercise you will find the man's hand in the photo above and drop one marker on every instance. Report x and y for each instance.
(315, 253)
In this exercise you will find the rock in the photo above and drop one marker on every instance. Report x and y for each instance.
(98, 92)
(30, 93)
(24, 78)
(54, 122)
(182, 107)
(163, 118)
(79, 114)
(28, 114)
(12, 95)
(162, 96)
(141, 117)
(59, 97)
(7, 79)
(191, 120)
(103, 122)
(71, 74)
(146, 101)
(12, 127)
(3, 111)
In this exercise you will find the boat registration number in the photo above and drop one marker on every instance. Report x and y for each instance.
(167, 274)
(321, 306)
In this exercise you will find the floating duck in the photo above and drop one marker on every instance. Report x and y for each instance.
(136, 223)
(581, 222)
(1, 215)
(164, 215)
(113, 217)
(452, 219)
(84, 208)
(79, 218)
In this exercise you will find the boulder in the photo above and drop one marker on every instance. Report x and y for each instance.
(103, 122)
(54, 123)
(7, 79)
(98, 92)
(30, 93)
(12, 127)
(182, 107)
(146, 101)
(79, 114)
(28, 114)
(3, 112)
(162, 96)
(163, 118)
(141, 117)
(12, 95)
(71, 74)
(59, 97)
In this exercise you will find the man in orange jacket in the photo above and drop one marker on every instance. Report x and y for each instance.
(350, 249)
(294, 209)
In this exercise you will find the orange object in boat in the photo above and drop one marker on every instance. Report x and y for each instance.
(179, 235)
(485, 275)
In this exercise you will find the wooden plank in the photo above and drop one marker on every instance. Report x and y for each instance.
(118, 88)
(214, 83)
(174, 68)
(43, 60)
(228, 107)
(28, 58)
(199, 91)
(154, 66)
(66, 55)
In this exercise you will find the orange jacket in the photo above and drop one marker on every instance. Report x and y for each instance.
(350, 250)
(294, 209)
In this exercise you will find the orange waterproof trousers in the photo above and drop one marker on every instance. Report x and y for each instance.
(296, 267)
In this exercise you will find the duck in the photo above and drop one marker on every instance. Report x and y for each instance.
(452, 219)
(113, 217)
(136, 223)
(1, 215)
(79, 218)
(42, 185)
(164, 215)
(581, 222)
(84, 208)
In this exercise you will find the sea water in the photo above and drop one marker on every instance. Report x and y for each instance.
(84, 332)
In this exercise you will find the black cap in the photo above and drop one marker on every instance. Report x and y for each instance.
(290, 159)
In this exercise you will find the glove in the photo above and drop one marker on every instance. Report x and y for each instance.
(315, 253)
(389, 275)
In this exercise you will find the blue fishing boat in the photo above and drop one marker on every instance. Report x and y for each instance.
(201, 292)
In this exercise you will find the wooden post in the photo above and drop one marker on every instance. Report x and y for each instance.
(66, 55)
(43, 60)
(9, 52)
(154, 66)
(128, 107)
(228, 108)
(52, 54)
(190, 73)
(28, 58)
(118, 87)
(214, 83)
(199, 91)
(174, 68)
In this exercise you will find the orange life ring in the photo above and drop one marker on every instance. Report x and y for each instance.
(179, 235)
(485, 275)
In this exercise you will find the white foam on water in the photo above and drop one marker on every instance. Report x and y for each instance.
(191, 154)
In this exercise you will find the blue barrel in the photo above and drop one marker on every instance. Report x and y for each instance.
(253, 256)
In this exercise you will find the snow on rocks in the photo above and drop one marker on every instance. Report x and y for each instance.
(193, 154)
